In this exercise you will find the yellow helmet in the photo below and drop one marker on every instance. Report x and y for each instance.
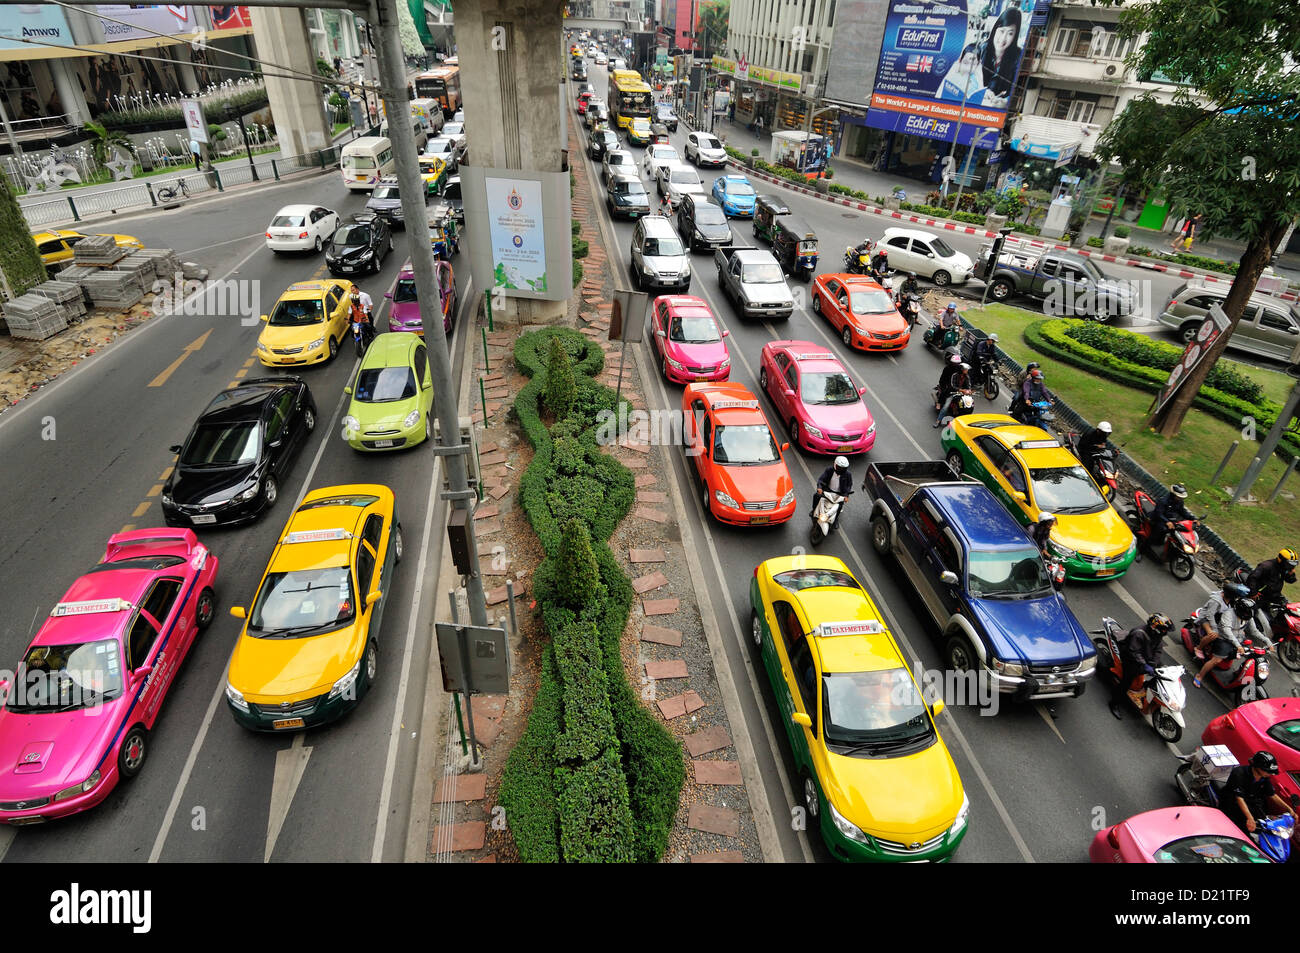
(1289, 557)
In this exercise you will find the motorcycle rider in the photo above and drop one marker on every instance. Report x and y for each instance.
(1094, 442)
(1171, 510)
(986, 351)
(1032, 391)
(1140, 652)
(909, 286)
(855, 257)
(1227, 620)
(1249, 793)
(836, 478)
(959, 382)
(1267, 579)
(879, 264)
(950, 368)
(362, 311)
(1041, 531)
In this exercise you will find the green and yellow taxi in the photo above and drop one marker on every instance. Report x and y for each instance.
(56, 245)
(392, 395)
(874, 774)
(307, 325)
(638, 131)
(433, 171)
(309, 649)
(1031, 473)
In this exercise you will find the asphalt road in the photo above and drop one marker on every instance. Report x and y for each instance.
(208, 791)
(1039, 785)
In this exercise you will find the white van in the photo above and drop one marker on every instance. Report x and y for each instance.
(430, 112)
(417, 130)
(365, 161)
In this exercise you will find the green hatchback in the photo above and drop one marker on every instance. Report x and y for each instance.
(392, 395)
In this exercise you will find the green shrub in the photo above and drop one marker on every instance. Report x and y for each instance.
(1123, 231)
(1140, 250)
(595, 814)
(528, 783)
(576, 227)
(559, 382)
(580, 248)
(588, 724)
(583, 583)
(577, 272)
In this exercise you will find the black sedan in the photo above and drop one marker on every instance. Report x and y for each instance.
(358, 245)
(664, 114)
(231, 465)
(386, 202)
(702, 224)
(601, 141)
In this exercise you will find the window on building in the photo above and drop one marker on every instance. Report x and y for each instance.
(1081, 111)
(1065, 40)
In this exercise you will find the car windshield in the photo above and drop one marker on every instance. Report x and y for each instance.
(1209, 849)
(708, 142)
(798, 579)
(288, 221)
(870, 302)
(384, 192)
(431, 167)
(1066, 490)
(629, 188)
(744, 445)
(453, 129)
(297, 314)
(405, 290)
(738, 188)
(827, 387)
(1008, 574)
(352, 235)
(640, 126)
(874, 712)
(662, 247)
(942, 248)
(760, 273)
(1287, 732)
(452, 191)
(54, 678)
(383, 385)
(684, 177)
(710, 214)
(221, 445)
(439, 146)
(307, 602)
(1090, 269)
(663, 153)
(694, 330)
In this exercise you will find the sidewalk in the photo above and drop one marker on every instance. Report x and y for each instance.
(858, 175)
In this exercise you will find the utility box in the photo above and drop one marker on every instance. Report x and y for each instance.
(467, 438)
(1058, 218)
(458, 540)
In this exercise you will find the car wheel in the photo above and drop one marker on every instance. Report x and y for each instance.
(205, 609)
(334, 348)
(941, 278)
(1001, 289)
(1188, 332)
(317, 246)
(428, 428)
(817, 303)
(959, 654)
(954, 462)
(270, 492)
(794, 431)
(762, 378)
(847, 336)
(811, 803)
(371, 663)
(706, 498)
(399, 543)
(130, 757)
(309, 419)
(880, 535)
(756, 629)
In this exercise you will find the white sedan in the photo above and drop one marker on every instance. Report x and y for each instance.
(927, 255)
(301, 228)
(656, 156)
(455, 131)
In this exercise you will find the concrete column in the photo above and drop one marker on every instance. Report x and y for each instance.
(512, 80)
(70, 94)
(185, 69)
(296, 106)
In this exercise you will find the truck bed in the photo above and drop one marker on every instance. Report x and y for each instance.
(899, 480)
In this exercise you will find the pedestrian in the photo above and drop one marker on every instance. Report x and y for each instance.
(196, 152)
(338, 66)
(1193, 227)
(1184, 233)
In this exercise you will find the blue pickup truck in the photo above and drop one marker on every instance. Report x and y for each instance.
(981, 578)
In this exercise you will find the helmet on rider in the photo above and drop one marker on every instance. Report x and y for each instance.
(1245, 608)
(965, 366)
(1046, 517)
(1158, 623)
(1288, 557)
(1105, 427)
(952, 306)
(841, 463)
(954, 357)
(1235, 591)
(1264, 761)
(1179, 491)
(994, 337)
(1036, 374)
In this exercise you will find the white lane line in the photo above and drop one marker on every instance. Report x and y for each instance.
(228, 241)
(290, 765)
(408, 651)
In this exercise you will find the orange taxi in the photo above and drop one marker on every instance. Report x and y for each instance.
(861, 312)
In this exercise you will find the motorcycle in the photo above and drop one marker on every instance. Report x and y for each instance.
(910, 308)
(1244, 676)
(964, 404)
(363, 332)
(908, 288)
(1202, 789)
(1165, 697)
(1181, 544)
(1101, 465)
(1284, 620)
(856, 263)
(938, 339)
(1037, 413)
(824, 516)
(1055, 569)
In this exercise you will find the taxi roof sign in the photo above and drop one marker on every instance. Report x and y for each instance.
(857, 627)
(304, 286)
(815, 356)
(1038, 444)
(732, 404)
(316, 536)
(90, 607)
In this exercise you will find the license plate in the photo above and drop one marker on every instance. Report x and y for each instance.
(205, 518)
(27, 821)
(1105, 572)
(383, 443)
(288, 360)
(701, 377)
(760, 519)
(632, 215)
(287, 723)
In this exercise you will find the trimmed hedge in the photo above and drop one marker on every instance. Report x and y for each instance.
(1050, 337)
(601, 778)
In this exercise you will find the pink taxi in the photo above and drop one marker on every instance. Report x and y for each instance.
(690, 341)
(817, 399)
(1175, 835)
(88, 689)
(405, 314)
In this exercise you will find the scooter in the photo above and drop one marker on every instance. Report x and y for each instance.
(907, 288)
(964, 404)
(1101, 465)
(984, 375)
(824, 516)
(1181, 544)
(856, 263)
(1284, 621)
(1165, 696)
(1037, 413)
(910, 308)
(1272, 834)
(363, 332)
(1242, 677)
(938, 339)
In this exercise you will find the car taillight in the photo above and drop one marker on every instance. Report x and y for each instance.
(268, 234)
(1112, 838)
(302, 234)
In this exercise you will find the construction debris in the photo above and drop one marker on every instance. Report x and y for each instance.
(98, 251)
(33, 317)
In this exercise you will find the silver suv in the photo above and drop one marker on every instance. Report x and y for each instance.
(1269, 327)
(659, 260)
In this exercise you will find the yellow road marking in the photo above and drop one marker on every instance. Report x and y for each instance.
(171, 368)
(155, 490)
(232, 384)
(240, 374)
(250, 362)
(127, 528)
(166, 473)
(141, 509)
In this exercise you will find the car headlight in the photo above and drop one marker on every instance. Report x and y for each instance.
(344, 684)
(845, 826)
(315, 344)
(871, 430)
(1065, 552)
(351, 423)
(812, 430)
(676, 364)
(76, 789)
(787, 499)
(249, 494)
(726, 362)
(410, 419)
(366, 253)
(235, 697)
(261, 346)
(725, 500)
(962, 814)
(1007, 668)
(167, 499)
(1132, 547)
(1087, 665)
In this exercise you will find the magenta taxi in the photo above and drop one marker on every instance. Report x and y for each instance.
(689, 339)
(406, 314)
(815, 396)
(76, 717)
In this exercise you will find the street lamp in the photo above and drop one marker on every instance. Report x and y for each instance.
(234, 115)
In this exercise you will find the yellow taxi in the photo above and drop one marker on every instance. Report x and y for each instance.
(56, 245)
(433, 171)
(1031, 473)
(874, 774)
(308, 323)
(309, 649)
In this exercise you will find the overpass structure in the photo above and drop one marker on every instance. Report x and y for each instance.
(602, 23)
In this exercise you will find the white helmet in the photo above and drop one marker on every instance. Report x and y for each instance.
(1045, 517)
(1105, 427)
(841, 463)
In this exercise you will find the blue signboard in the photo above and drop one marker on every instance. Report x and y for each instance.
(43, 22)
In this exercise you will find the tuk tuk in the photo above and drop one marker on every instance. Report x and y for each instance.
(443, 232)
(766, 210)
(795, 247)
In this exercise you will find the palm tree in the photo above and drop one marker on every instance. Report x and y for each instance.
(104, 140)
(712, 23)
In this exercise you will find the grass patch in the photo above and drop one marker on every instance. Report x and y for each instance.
(1255, 531)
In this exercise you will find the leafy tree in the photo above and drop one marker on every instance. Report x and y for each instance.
(560, 385)
(103, 141)
(1232, 155)
(580, 586)
(20, 262)
(711, 25)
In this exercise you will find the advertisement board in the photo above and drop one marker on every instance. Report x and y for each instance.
(518, 246)
(855, 50)
(33, 21)
(1215, 323)
(142, 21)
(231, 17)
(192, 110)
(518, 231)
(935, 55)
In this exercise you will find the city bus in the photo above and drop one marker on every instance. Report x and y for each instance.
(629, 98)
(442, 84)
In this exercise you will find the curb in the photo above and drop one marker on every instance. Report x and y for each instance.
(1175, 271)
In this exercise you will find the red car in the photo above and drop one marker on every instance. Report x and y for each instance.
(1175, 835)
(816, 397)
(1272, 725)
(861, 312)
(689, 340)
(583, 99)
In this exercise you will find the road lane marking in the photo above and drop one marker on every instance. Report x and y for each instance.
(166, 474)
(127, 528)
(290, 764)
(189, 349)
(228, 241)
(155, 489)
(250, 362)
(141, 510)
(241, 374)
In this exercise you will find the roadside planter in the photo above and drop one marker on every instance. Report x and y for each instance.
(1117, 244)
(822, 185)
(994, 222)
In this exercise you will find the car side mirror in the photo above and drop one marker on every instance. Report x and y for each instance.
(140, 674)
(788, 392)
(263, 317)
(174, 448)
(388, 295)
(861, 391)
(937, 708)
(785, 446)
(799, 718)
(274, 444)
(948, 577)
(725, 332)
(239, 612)
(372, 597)
(661, 334)
(1019, 495)
(348, 391)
